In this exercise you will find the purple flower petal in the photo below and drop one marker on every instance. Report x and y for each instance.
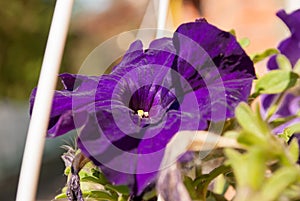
(289, 47)
(198, 39)
(77, 87)
(212, 60)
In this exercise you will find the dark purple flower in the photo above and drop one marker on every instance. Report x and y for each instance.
(127, 117)
(290, 47)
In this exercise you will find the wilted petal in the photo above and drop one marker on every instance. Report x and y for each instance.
(170, 185)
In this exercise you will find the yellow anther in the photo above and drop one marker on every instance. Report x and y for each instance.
(140, 113)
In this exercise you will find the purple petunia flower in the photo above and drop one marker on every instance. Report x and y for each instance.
(290, 47)
(127, 117)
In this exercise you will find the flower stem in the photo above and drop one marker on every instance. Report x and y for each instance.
(274, 106)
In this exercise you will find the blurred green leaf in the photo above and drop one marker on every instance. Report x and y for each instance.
(250, 122)
(290, 131)
(283, 62)
(261, 56)
(220, 184)
(244, 42)
(149, 194)
(236, 161)
(292, 193)
(252, 164)
(294, 150)
(276, 81)
(232, 31)
(100, 195)
(91, 179)
(189, 184)
(211, 196)
(67, 171)
(293, 129)
(279, 121)
(124, 190)
(256, 161)
(296, 68)
(231, 134)
(278, 182)
(202, 182)
(286, 135)
(250, 139)
(24, 28)
(60, 196)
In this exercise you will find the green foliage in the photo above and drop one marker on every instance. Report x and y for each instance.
(296, 68)
(276, 81)
(94, 185)
(283, 62)
(198, 187)
(261, 56)
(267, 169)
(244, 42)
(251, 122)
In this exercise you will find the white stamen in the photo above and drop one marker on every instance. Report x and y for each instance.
(146, 114)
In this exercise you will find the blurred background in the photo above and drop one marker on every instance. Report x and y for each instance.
(24, 26)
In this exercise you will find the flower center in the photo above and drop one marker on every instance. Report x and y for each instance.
(142, 114)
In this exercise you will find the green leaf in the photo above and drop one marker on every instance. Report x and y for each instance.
(294, 150)
(244, 42)
(290, 131)
(91, 179)
(249, 169)
(279, 121)
(256, 165)
(276, 81)
(250, 139)
(219, 185)
(211, 196)
(149, 194)
(281, 179)
(124, 190)
(102, 195)
(283, 62)
(296, 68)
(231, 134)
(202, 182)
(232, 31)
(261, 56)
(292, 193)
(294, 128)
(123, 198)
(236, 161)
(250, 122)
(188, 182)
(60, 196)
(201, 179)
(95, 174)
(67, 171)
(286, 135)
